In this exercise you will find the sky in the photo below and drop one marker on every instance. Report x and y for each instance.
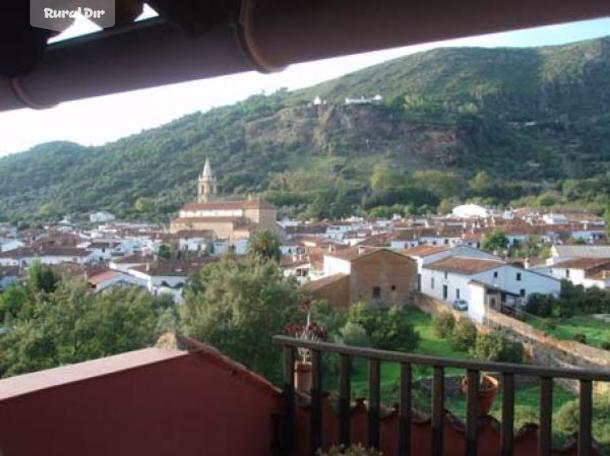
(95, 121)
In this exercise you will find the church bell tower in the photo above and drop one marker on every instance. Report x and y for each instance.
(207, 186)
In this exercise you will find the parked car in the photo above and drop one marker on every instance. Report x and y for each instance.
(460, 304)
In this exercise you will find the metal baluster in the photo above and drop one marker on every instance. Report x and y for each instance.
(344, 401)
(404, 448)
(472, 412)
(508, 413)
(438, 410)
(374, 402)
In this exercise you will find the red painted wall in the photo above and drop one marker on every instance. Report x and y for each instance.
(182, 406)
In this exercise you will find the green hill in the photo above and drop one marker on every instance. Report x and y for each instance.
(536, 120)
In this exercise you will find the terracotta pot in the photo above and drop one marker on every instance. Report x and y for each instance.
(485, 396)
(302, 376)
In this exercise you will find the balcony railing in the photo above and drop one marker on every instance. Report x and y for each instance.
(407, 361)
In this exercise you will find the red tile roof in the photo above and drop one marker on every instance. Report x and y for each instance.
(236, 221)
(582, 263)
(229, 205)
(103, 276)
(463, 265)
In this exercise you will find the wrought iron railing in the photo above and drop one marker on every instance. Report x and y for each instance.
(585, 377)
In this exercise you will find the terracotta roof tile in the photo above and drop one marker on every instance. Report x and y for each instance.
(229, 205)
(464, 265)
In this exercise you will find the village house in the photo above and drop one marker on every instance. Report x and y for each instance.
(163, 276)
(561, 253)
(24, 256)
(109, 278)
(588, 272)
(483, 283)
(101, 217)
(10, 244)
(375, 275)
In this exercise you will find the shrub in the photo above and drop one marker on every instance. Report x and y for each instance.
(444, 324)
(354, 334)
(495, 347)
(464, 335)
(386, 329)
(566, 420)
(606, 345)
(580, 337)
(549, 325)
(539, 304)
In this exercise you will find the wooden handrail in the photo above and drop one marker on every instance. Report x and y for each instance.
(599, 375)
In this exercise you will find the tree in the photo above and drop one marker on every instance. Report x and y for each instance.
(266, 245)
(481, 183)
(164, 251)
(238, 307)
(144, 204)
(464, 335)
(388, 329)
(385, 177)
(41, 279)
(444, 324)
(495, 240)
(71, 325)
(441, 184)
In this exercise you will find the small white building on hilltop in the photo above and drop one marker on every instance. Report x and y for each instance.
(471, 211)
(101, 217)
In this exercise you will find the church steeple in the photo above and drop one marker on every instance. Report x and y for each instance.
(207, 186)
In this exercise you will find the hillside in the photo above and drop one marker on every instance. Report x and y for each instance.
(535, 120)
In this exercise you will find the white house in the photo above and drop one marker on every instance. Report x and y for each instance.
(10, 244)
(561, 253)
(167, 276)
(588, 272)
(483, 283)
(49, 255)
(101, 217)
(425, 254)
(554, 219)
(470, 211)
(108, 279)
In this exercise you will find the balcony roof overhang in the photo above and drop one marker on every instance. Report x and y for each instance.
(194, 40)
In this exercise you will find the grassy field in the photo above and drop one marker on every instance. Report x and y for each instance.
(596, 331)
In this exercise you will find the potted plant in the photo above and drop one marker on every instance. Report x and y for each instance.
(310, 331)
(486, 392)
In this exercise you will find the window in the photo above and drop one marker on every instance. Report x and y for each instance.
(376, 292)
(518, 277)
(432, 283)
(393, 287)
(495, 274)
(457, 293)
(446, 274)
(567, 273)
(522, 292)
